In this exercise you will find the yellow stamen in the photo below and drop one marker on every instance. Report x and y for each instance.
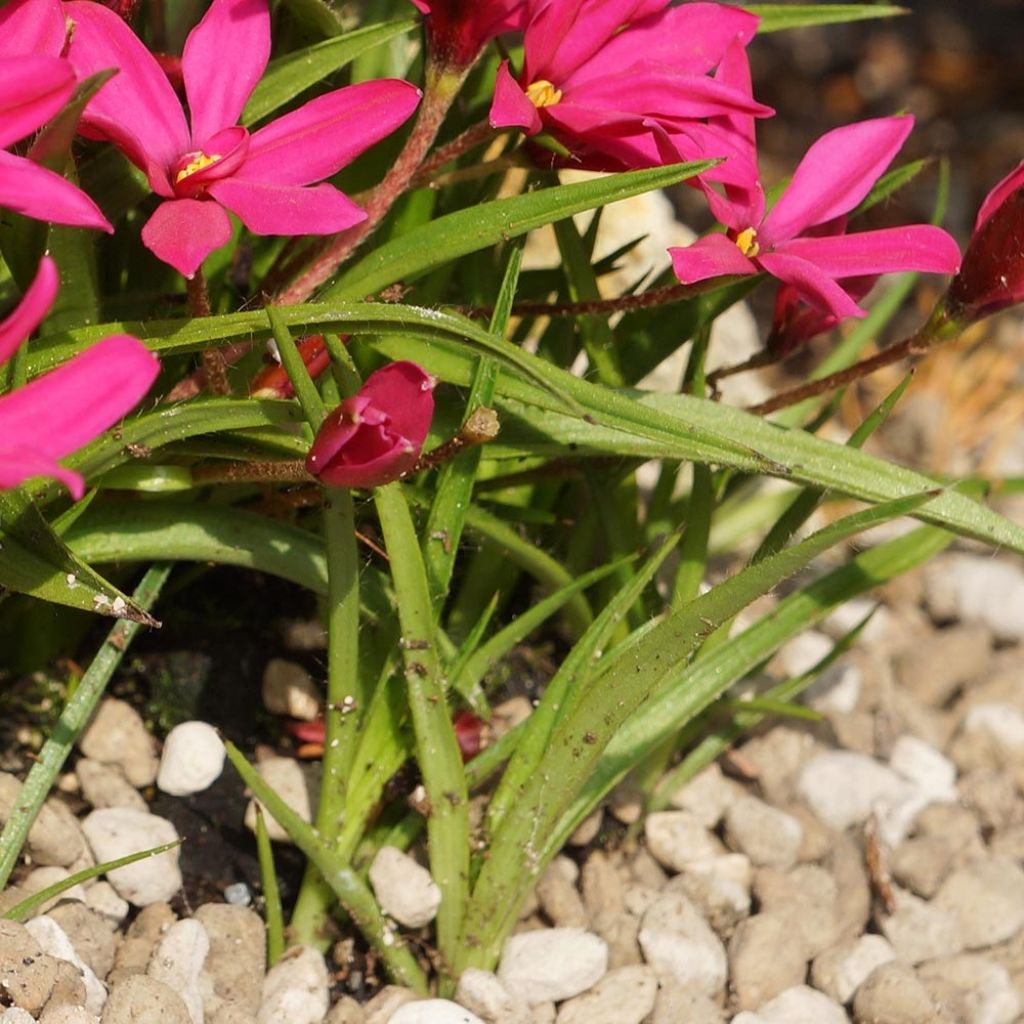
(747, 242)
(543, 94)
(197, 163)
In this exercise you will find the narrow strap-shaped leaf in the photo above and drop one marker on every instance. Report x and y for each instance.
(776, 17)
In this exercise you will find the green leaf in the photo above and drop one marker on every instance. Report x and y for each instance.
(34, 560)
(287, 76)
(889, 184)
(465, 231)
(775, 17)
(317, 15)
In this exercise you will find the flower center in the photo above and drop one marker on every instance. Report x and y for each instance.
(747, 242)
(543, 94)
(197, 161)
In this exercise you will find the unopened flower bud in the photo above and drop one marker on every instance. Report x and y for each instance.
(274, 382)
(458, 30)
(991, 276)
(375, 436)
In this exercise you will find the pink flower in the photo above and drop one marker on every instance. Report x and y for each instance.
(992, 275)
(215, 164)
(32, 26)
(459, 29)
(794, 322)
(802, 239)
(66, 408)
(33, 88)
(375, 436)
(625, 83)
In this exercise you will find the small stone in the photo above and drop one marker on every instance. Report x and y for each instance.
(234, 967)
(921, 931)
(675, 1004)
(601, 885)
(972, 988)
(840, 969)
(543, 1013)
(933, 672)
(386, 1002)
(192, 759)
(289, 690)
(115, 832)
(483, 993)
(105, 785)
(303, 635)
(843, 787)
(892, 994)
(809, 896)
(42, 878)
(101, 898)
(141, 938)
(27, 974)
(853, 903)
(295, 784)
(137, 998)
(552, 964)
(987, 898)
(405, 889)
(766, 835)
(558, 896)
(64, 1013)
(90, 934)
(117, 735)
(434, 1011)
(837, 690)
(626, 801)
(55, 838)
(778, 758)
(295, 989)
(978, 589)
(720, 887)
(765, 959)
(178, 960)
(677, 838)
(799, 1005)
(681, 947)
(16, 1015)
(588, 829)
(921, 864)
(803, 652)
(53, 939)
(345, 1011)
(622, 996)
(927, 770)
(991, 736)
(707, 796)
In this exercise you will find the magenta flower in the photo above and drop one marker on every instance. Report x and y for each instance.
(375, 436)
(32, 26)
(802, 240)
(625, 83)
(66, 408)
(214, 165)
(992, 275)
(459, 29)
(33, 88)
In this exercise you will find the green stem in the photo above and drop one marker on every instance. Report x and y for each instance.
(73, 719)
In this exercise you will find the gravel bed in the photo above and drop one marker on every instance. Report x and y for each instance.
(867, 867)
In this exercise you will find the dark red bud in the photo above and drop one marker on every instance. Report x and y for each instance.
(375, 436)
(458, 30)
(991, 276)
(274, 382)
(469, 732)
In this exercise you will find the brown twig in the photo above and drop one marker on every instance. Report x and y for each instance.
(475, 135)
(916, 344)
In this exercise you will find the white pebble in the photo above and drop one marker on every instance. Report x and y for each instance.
(404, 888)
(842, 787)
(115, 832)
(552, 964)
(117, 735)
(768, 836)
(677, 838)
(1002, 725)
(804, 651)
(681, 947)
(293, 784)
(977, 588)
(54, 940)
(178, 960)
(800, 1005)
(192, 760)
(434, 1011)
(289, 690)
(295, 989)
(16, 1015)
(839, 971)
(484, 994)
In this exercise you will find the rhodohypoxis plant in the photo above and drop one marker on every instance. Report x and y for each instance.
(210, 164)
(526, 518)
(59, 412)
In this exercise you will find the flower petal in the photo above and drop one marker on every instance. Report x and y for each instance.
(31, 310)
(183, 232)
(32, 26)
(511, 108)
(225, 56)
(18, 465)
(32, 90)
(288, 209)
(836, 173)
(42, 194)
(916, 247)
(999, 194)
(813, 285)
(710, 256)
(325, 134)
(66, 408)
(137, 110)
